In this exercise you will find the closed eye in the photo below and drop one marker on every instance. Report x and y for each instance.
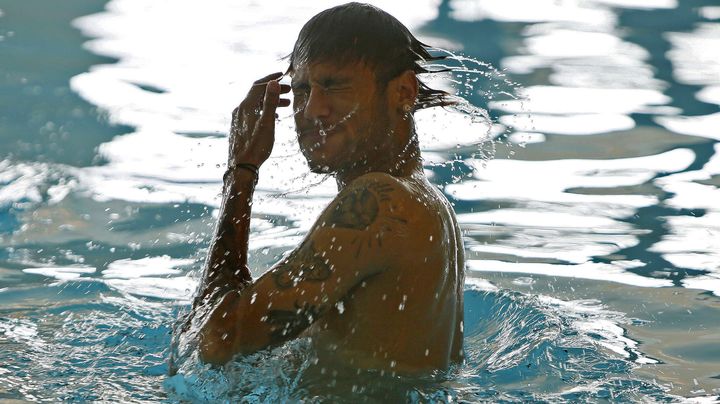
(336, 88)
(334, 84)
(300, 87)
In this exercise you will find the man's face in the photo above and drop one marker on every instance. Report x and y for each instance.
(341, 115)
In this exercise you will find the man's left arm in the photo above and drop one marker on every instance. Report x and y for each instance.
(363, 232)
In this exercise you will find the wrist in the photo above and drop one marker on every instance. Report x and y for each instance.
(241, 170)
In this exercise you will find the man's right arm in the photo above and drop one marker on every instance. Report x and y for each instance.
(252, 135)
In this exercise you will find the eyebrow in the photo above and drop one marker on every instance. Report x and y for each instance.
(328, 81)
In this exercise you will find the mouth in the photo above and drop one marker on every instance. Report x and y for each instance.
(316, 136)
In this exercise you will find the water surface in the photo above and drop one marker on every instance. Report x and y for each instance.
(592, 236)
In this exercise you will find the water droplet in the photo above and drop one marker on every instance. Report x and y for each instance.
(401, 307)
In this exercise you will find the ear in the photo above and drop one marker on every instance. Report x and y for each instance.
(403, 91)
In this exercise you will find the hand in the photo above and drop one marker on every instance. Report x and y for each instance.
(252, 133)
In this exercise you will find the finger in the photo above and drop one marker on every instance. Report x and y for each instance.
(258, 88)
(270, 103)
(284, 102)
(285, 88)
(266, 79)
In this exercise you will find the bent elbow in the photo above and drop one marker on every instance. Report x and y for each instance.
(213, 352)
(218, 348)
(214, 343)
(225, 333)
(216, 337)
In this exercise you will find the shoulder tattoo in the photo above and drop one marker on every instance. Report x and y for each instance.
(359, 208)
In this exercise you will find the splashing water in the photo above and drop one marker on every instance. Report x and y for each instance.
(608, 219)
(557, 350)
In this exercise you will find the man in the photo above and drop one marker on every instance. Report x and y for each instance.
(377, 282)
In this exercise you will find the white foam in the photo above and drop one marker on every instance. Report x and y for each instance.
(640, 4)
(570, 43)
(697, 260)
(690, 194)
(579, 100)
(479, 284)
(528, 218)
(581, 124)
(549, 180)
(524, 138)
(179, 288)
(144, 267)
(710, 12)
(704, 282)
(587, 270)
(702, 125)
(534, 11)
(696, 55)
(21, 182)
(61, 273)
(590, 317)
(709, 94)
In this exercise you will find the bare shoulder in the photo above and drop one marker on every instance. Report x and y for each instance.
(378, 216)
(375, 196)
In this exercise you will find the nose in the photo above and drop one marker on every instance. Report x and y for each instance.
(317, 106)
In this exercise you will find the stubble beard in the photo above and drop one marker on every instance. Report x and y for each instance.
(376, 126)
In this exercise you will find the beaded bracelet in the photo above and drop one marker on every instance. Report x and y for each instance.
(248, 166)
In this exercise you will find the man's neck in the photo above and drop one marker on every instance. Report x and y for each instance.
(404, 163)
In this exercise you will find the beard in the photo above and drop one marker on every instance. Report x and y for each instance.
(367, 145)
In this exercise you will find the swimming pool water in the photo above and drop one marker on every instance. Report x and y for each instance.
(592, 236)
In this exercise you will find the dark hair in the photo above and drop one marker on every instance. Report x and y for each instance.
(357, 32)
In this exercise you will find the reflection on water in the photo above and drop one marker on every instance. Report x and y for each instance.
(593, 237)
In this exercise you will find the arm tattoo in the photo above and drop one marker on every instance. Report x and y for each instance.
(224, 269)
(306, 265)
(288, 324)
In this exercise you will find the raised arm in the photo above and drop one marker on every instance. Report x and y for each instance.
(360, 234)
(251, 139)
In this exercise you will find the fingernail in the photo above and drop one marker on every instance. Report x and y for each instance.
(273, 86)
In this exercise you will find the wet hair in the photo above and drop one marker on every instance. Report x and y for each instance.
(358, 32)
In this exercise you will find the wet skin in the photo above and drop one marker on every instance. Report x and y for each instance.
(378, 280)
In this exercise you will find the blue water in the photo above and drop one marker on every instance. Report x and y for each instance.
(590, 206)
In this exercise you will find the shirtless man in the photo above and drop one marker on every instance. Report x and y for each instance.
(377, 282)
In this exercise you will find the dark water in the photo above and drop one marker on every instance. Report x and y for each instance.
(593, 236)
